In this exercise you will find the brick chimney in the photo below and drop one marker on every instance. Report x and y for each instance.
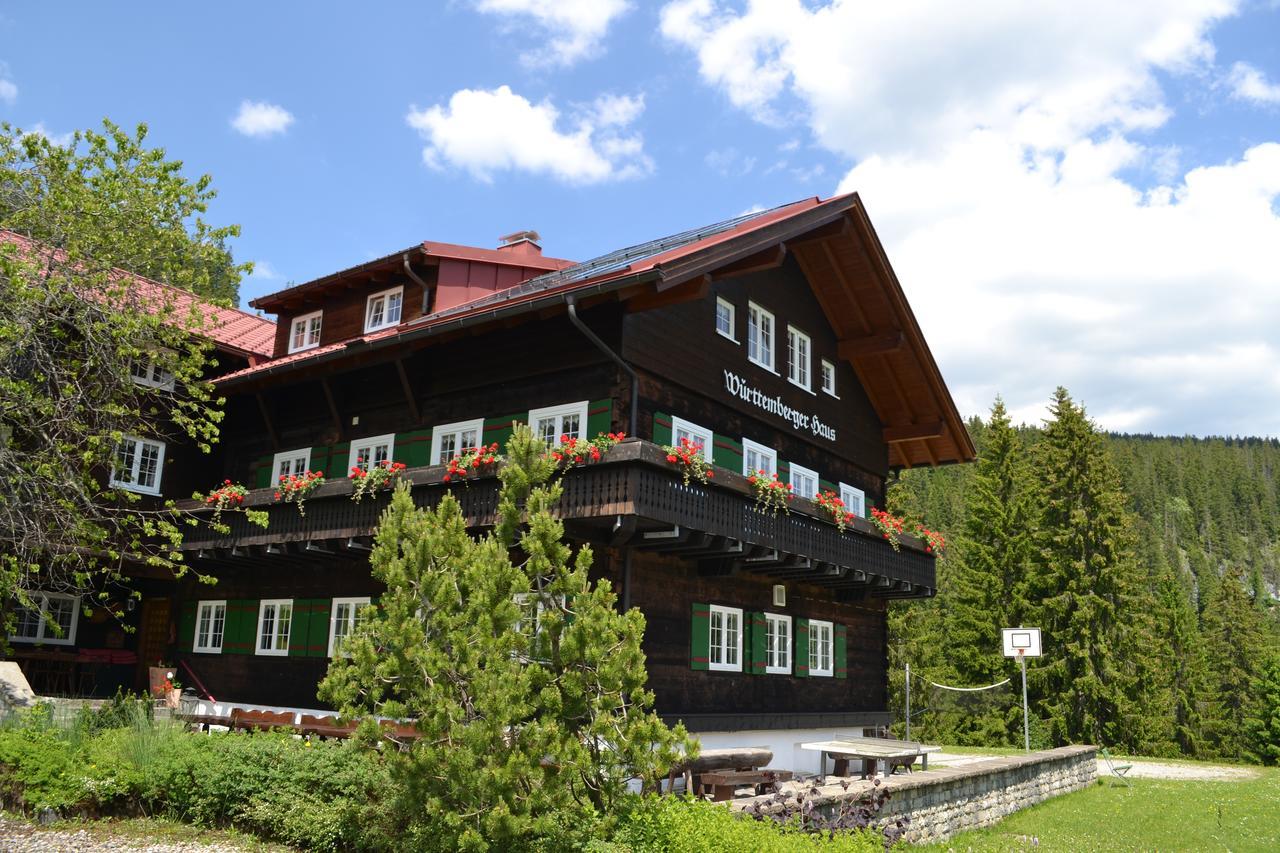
(521, 243)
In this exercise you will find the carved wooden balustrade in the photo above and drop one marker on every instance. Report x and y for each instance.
(716, 524)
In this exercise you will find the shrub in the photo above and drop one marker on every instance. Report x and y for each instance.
(681, 825)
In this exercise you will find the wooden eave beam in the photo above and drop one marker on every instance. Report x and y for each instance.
(852, 348)
(266, 418)
(839, 228)
(333, 407)
(768, 259)
(407, 388)
(688, 291)
(912, 432)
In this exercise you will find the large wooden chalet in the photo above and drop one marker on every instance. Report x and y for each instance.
(781, 340)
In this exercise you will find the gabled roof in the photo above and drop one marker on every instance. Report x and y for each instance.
(427, 249)
(840, 255)
(230, 329)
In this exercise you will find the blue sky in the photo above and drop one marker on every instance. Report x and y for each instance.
(1080, 194)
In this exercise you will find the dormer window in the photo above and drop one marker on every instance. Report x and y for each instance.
(306, 332)
(383, 309)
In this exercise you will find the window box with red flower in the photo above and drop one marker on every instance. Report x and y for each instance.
(772, 495)
(688, 457)
(478, 460)
(229, 496)
(295, 488)
(579, 451)
(834, 509)
(364, 481)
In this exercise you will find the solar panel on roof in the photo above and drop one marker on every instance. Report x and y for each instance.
(614, 261)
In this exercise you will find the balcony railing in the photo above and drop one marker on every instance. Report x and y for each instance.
(716, 524)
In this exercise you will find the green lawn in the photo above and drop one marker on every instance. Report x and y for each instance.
(1153, 814)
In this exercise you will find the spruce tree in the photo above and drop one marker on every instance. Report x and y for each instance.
(1234, 646)
(1262, 728)
(525, 681)
(1085, 590)
(988, 577)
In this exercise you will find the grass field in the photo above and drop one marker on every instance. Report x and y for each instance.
(1152, 814)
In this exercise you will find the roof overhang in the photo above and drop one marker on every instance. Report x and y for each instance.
(839, 253)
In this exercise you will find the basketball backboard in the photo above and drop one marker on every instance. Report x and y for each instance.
(1021, 642)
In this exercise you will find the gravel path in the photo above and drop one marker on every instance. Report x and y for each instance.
(18, 836)
(1141, 769)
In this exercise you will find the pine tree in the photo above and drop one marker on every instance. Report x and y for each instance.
(526, 682)
(1086, 589)
(1262, 729)
(1183, 677)
(1234, 646)
(988, 578)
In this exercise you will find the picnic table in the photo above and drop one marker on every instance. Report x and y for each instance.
(872, 751)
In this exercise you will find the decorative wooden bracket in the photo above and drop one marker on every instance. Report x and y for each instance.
(407, 388)
(912, 432)
(852, 348)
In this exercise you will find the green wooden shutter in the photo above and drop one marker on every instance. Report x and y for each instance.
(299, 627)
(841, 655)
(187, 626)
(262, 473)
(662, 429)
(412, 448)
(239, 634)
(499, 429)
(801, 668)
(726, 453)
(757, 635)
(599, 417)
(309, 631)
(700, 637)
(332, 463)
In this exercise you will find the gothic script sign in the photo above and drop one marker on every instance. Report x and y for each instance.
(775, 405)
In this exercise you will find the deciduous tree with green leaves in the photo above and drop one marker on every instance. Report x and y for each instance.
(75, 326)
(526, 683)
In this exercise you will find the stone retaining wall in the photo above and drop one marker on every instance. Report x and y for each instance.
(948, 800)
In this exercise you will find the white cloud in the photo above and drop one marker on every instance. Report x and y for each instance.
(264, 271)
(62, 139)
(572, 29)
(1250, 84)
(729, 162)
(995, 147)
(258, 118)
(489, 131)
(8, 89)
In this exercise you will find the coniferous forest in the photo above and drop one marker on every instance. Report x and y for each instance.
(1151, 565)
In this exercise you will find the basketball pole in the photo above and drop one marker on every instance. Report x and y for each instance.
(1026, 720)
(908, 700)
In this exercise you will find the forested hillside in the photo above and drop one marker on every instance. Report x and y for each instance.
(1152, 565)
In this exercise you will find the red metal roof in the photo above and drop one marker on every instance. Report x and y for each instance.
(232, 329)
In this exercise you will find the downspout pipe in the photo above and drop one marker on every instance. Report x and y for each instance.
(426, 291)
(632, 415)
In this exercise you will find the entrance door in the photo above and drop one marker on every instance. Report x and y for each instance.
(153, 637)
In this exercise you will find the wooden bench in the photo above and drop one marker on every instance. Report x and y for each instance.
(723, 784)
(261, 721)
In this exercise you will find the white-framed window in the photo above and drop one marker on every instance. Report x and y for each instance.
(450, 440)
(138, 464)
(777, 643)
(383, 309)
(554, 422)
(820, 648)
(726, 639)
(371, 452)
(344, 616)
(150, 375)
(855, 500)
(759, 336)
(757, 457)
(829, 378)
(35, 624)
(305, 332)
(804, 482)
(680, 428)
(726, 317)
(291, 463)
(211, 621)
(275, 617)
(799, 358)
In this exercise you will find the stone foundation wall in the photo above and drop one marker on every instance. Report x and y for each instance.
(942, 802)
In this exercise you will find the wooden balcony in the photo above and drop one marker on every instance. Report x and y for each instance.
(633, 497)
